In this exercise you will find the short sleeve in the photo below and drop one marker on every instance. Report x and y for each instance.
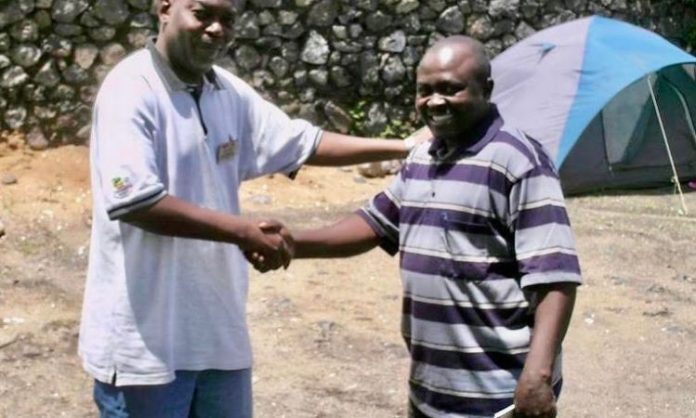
(382, 213)
(278, 144)
(123, 148)
(544, 242)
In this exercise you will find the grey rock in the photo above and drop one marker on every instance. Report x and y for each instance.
(263, 4)
(66, 11)
(369, 68)
(42, 18)
(137, 38)
(307, 95)
(247, 26)
(319, 77)
(89, 20)
(316, 49)
(287, 17)
(303, 3)
(369, 5)
(140, 4)
(112, 12)
(523, 30)
(100, 71)
(376, 119)
(33, 93)
(279, 66)
(5, 41)
(576, 5)
(36, 139)
(290, 51)
(426, 13)
(273, 29)
(503, 26)
(407, 6)
(74, 74)
(300, 78)
(411, 23)
(378, 21)
(480, 6)
(112, 53)
(15, 117)
(395, 42)
(4, 62)
(43, 4)
(262, 79)
(335, 58)
(393, 70)
(13, 77)
(355, 30)
(323, 13)
(339, 118)
(142, 20)
(63, 92)
(44, 112)
(294, 31)
(340, 31)
(411, 56)
(416, 40)
(347, 47)
(102, 34)
(56, 46)
(85, 55)
(67, 30)
(266, 17)
(503, 8)
(340, 76)
(530, 9)
(247, 57)
(10, 13)
(25, 31)
(437, 5)
(8, 179)
(480, 27)
(47, 75)
(451, 20)
(266, 43)
(309, 112)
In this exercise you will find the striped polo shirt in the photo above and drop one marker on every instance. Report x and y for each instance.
(474, 226)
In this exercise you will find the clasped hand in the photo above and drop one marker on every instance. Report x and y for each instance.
(270, 246)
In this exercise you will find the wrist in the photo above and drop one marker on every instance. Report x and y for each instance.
(409, 143)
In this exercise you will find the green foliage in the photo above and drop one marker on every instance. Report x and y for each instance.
(690, 34)
(394, 129)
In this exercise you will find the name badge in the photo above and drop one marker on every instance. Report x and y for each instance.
(226, 150)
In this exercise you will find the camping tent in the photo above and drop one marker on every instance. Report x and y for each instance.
(613, 104)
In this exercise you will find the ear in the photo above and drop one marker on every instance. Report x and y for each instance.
(163, 10)
(488, 87)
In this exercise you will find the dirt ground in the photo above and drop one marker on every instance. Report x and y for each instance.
(325, 333)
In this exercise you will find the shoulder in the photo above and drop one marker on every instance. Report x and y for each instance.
(132, 78)
(518, 153)
(232, 83)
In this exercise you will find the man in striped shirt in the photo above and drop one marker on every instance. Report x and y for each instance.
(488, 259)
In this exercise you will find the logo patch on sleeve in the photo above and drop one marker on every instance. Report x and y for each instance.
(122, 186)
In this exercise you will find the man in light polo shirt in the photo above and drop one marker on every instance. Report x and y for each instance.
(163, 328)
(487, 256)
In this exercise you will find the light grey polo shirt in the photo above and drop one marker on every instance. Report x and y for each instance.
(155, 304)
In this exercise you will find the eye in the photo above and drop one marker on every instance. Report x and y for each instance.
(201, 14)
(423, 90)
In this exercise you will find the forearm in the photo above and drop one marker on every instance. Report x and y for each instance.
(175, 217)
(551, 320)
(348, 237)
(336, 149)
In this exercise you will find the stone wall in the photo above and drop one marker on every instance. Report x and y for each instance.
(345, 64)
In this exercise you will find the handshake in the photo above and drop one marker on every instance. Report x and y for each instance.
(268, 245)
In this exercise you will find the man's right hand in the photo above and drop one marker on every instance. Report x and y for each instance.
(269, 246)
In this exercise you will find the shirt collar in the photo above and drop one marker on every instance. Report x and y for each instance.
(484, 132)
(171, 81)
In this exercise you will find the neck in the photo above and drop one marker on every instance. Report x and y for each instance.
(185, 75)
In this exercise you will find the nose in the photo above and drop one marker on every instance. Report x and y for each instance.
(436, 100)
(216, 29)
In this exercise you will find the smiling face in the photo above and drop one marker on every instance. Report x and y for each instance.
(195, 33)
(453, 88)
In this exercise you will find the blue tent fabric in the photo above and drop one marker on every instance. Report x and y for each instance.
(616, 55)
(555, 82)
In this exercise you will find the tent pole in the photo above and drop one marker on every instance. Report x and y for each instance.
(669, 151)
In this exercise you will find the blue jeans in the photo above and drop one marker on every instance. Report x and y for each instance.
(193, 394)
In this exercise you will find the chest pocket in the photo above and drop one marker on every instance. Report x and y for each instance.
(474, 246)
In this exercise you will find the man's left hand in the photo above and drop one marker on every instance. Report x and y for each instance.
(534, 397)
